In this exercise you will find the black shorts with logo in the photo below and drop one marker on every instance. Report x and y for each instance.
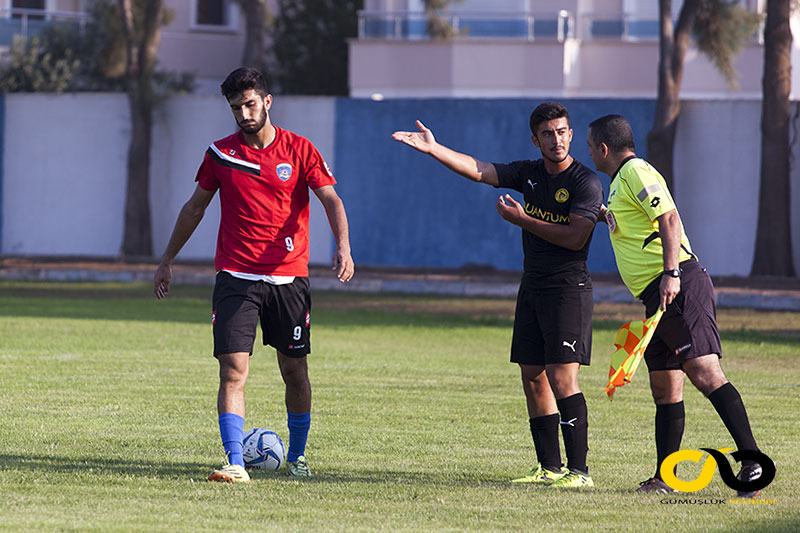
(552, 328)
(283, 310)
(688, 328)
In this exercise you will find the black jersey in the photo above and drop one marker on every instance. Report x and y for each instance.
(551, 199)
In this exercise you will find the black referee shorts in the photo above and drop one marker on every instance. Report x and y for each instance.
(552, 328)
(283, 310)
(688, 328)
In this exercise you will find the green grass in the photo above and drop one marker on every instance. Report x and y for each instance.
(109, 422)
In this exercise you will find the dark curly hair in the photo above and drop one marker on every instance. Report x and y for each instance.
(244, 79)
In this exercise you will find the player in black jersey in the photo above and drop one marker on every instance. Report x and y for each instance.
(552, 324)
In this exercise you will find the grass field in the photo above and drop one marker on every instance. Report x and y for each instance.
(109, 424)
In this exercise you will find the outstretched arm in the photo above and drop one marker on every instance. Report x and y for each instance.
(466, 165)
(571, 236)
(337, 218)
(190, 216)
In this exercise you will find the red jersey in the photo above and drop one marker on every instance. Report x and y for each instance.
(263, 227)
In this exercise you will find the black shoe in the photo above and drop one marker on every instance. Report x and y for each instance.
(749, 473)
(655, 485)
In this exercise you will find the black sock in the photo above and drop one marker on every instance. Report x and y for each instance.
(670, 420)
(729, 406)
(544, 430)
(575, 429)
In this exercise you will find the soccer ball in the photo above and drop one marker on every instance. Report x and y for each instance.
(263, 450)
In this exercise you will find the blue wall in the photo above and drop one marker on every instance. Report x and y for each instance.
(405, 209)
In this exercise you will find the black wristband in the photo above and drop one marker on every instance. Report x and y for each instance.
(672, 273)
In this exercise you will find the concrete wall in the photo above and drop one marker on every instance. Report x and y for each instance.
(63, 183)
(62, 175)
(717, 163)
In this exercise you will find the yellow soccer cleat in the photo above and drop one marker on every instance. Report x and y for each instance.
(230, 474)
(541, 476)
(573, 480)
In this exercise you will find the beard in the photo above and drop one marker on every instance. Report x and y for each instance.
(255, 128)
(555, 159)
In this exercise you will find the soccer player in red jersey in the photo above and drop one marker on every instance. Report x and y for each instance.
(263, 174)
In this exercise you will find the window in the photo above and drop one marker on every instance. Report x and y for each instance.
(213, 14)
(28, 4)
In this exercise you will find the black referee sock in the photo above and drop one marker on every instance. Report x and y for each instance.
(728, 403)
(544, 430)
(575, 429)
(670, 421)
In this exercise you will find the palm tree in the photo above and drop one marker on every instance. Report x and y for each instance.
(773, 253)
(142, 24)
(721, 28)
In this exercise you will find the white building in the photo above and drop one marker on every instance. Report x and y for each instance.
(534, 48)
(504, 48)
(204, 37)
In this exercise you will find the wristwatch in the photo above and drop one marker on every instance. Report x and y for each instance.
(672, 273)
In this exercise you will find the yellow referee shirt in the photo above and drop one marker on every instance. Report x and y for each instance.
(638, 195)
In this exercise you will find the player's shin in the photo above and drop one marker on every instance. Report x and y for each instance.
(728, 404)
(544, 430)
(670, 421)
(299, 425)
(231, 429)
(575, 430)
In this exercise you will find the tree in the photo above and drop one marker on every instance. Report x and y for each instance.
(115, 50)
(438, 26)
(68, 57)
(33, 68)
(142, 33)
(257, 19)
(721, 29)
(773, 253)
(310, 44)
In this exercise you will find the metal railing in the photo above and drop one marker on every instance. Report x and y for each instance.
(529, 26)
(617, 26)
(31, 22)
(406, 25)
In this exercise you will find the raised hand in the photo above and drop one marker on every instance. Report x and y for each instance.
(511, 211)
(422, 140)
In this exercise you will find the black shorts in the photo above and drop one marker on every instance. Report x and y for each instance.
(688, 328)
(552, 328)
(283, 310)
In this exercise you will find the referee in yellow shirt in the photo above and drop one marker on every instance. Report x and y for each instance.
(656, 263)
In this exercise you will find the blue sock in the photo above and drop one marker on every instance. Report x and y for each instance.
(298, 434)
(231, 428)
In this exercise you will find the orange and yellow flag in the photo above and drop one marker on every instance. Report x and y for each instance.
(631, 342)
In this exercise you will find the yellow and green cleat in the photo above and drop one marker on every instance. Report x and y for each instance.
(299, 468)
(541, 476)
(573, 479)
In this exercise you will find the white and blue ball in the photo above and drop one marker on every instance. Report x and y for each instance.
(263, 450)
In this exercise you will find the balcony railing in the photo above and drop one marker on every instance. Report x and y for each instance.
(406, 25)
(31, 22)
(617, 26)
(560, 25)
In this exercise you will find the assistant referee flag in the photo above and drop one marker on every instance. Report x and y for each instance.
(631, 342)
